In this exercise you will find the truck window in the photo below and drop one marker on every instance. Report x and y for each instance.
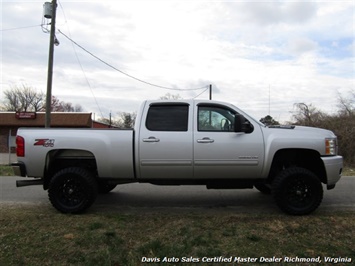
(213, 118)
(167, 118)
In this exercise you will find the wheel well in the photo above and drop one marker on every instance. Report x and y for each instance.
(308, 159)
(64, 158)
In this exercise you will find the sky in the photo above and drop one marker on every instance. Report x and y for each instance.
(262, 56)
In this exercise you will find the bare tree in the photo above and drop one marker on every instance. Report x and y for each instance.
(127, 120)
(308, 115)
(27, 99)
(347, 105)
(23, 99)
(55, 105)
(124, 120)
(61, 106)
(170, 96)
(342, 124)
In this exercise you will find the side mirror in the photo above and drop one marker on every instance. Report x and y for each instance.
(242, 125)
(239, 123)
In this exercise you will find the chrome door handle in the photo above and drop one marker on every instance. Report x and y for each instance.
(205, 140)
(151, 139)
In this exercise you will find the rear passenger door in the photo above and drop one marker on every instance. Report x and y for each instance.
(165, 142)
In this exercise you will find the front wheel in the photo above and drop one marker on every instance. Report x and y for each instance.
(72, 190)
(297, 191)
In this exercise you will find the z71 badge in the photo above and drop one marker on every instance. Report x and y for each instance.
(44, 142)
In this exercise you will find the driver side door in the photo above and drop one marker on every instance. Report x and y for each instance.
(219, 152)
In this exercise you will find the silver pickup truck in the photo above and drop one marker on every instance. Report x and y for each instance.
(183, 142)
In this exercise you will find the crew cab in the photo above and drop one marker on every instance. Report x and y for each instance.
(182, 142)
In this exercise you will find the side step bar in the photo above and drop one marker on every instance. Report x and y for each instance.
(25, 183)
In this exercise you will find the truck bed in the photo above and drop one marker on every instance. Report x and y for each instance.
(111, 148)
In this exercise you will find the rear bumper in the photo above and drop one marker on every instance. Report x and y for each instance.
(333, 167)
(19, 169)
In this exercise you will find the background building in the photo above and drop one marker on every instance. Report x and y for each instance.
(10, 122)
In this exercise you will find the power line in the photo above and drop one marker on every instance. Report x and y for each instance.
(201, 93)
(20, 28)
(81, 66)
(122, 72)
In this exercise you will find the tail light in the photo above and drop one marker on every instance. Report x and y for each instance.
(20, 146)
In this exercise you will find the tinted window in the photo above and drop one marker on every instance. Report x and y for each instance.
(167, 118)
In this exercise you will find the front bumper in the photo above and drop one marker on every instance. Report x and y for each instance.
(19, 169)
(333, 167)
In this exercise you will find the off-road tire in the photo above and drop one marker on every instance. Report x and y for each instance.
(72, 190)
(297, 191)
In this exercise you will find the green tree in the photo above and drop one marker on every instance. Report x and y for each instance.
(269, 121)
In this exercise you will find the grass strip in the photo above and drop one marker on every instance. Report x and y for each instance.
(33, 236)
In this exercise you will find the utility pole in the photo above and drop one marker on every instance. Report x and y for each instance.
(110, 120)
(210, 91)
(50, 66)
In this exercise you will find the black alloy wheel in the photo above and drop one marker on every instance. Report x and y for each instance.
(297, 191)
(72, 190)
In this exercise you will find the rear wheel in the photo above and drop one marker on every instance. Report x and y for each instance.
(297, 191)
(72, 190)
